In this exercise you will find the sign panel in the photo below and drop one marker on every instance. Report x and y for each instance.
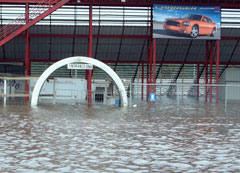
(152, 97)
(80, 66)
(186, 22)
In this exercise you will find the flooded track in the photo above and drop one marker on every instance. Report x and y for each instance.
(149, 138)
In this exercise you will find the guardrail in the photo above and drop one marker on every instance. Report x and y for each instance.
(13, 82)
(212, 93)
(14, 87)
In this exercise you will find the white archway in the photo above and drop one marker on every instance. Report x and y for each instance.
(80, 59)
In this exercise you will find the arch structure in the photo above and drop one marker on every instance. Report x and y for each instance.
(79, 59)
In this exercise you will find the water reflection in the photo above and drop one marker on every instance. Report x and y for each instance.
(149, 138)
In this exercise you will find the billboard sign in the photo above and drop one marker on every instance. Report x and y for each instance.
(186, 22)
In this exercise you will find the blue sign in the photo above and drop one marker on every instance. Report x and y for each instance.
(117, 103)
(152, 97)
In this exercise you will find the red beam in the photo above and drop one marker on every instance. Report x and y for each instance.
(87, 36)
(198, 77)
(24, 1)
(121, 61)
(19, 1)
(148, 57)
(217, 69)
(151, 2)
(154, 64)
(27, 54)
(151, 52)
(151, 63)
(211, 69)
(230, 38)
(142, 79)
(89, 72)
(134, 3)
(104, 36)
(206, 70)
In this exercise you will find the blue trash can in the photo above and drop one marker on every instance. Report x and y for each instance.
(117, 103)
(152, 97)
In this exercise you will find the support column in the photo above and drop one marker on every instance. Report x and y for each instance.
(89, 72)
(151, 66)
(151, 55)
(142, 79)
(211, 67)
(217, 70)
(154, 65)
(5, 92)
(148, 57)
(198, 78)
(206, 71)
(27, 55)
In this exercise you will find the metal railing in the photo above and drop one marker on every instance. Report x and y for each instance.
(20, 88)
(185, 93)
(14, 87)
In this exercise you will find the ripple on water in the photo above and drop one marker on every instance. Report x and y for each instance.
(165, 139)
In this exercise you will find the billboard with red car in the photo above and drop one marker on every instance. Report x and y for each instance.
(186, 22)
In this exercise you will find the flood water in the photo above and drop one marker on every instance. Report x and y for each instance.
(148, 138)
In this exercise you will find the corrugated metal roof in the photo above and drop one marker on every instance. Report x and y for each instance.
(106, 30)
(227, 32)
(129, 52)
(236, 54)
(108, 48)
(81, 46)
(197, 51)
(40, 29)
(227, 47)
(15, 49)
(160, 49)
(128, 30)
(40, 47)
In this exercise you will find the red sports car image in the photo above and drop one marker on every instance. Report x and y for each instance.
(192, 25)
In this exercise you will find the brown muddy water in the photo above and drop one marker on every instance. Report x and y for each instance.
(148, 138)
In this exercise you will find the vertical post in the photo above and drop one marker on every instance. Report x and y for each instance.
(5, 92)
(151, 67)
(182, 81)
(138, 81)
(147, 88)
(27, 54)
(217, 70)
(75, 76)
(54, 90)
(211, 67)
(142, 78)
(130, 94)
(161, 77)
(206, 72)
(105, 94)
(151, 55)
(154, 65)
(89, 72)
(226, 97)
(198, 77)
(177, 88)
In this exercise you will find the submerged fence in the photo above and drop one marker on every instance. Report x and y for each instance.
(179, 93)
(57, 90)
(14, 88)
